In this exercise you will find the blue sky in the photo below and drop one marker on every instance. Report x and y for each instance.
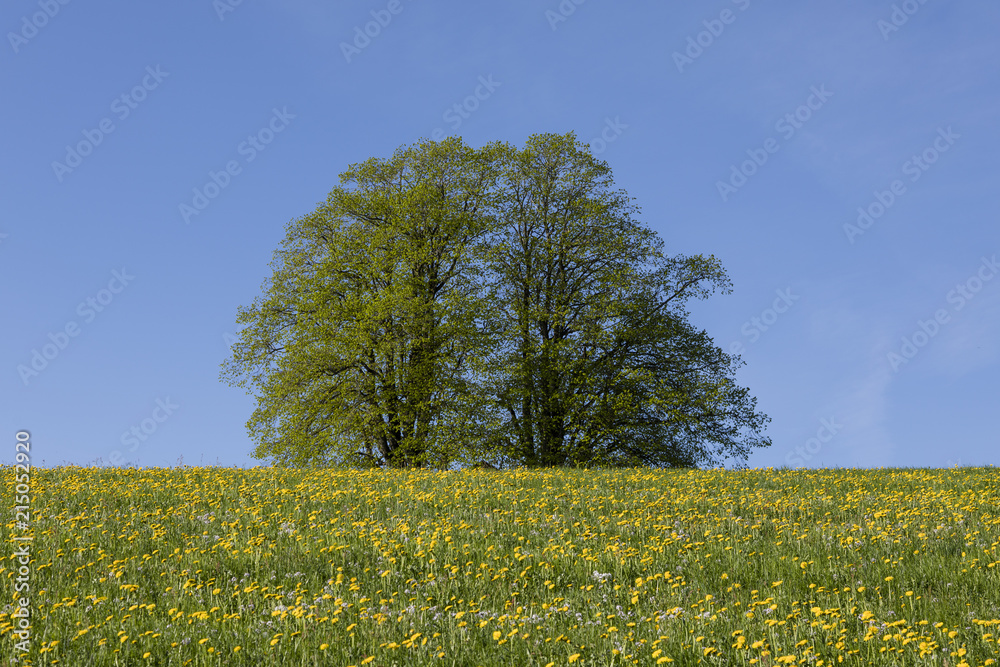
(154, 152)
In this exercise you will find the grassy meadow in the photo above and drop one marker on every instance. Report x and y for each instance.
(223, 566)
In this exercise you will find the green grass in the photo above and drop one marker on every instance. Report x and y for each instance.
(217, 566)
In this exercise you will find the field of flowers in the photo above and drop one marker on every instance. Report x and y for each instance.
(224, 566)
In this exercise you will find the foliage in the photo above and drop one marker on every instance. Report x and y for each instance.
(454, 305)
(597, 363)
(357, 352)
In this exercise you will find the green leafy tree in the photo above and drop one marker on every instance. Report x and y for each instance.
(452, 305)
(357, 351)
(597, 364)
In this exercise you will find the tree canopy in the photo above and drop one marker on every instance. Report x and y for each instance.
(453, 305)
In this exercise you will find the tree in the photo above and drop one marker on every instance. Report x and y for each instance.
(357, 351)
(498, 305)
(664, 394)
(599, 365)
